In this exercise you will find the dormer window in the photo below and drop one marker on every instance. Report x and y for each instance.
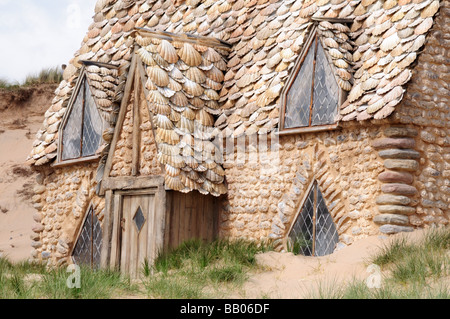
(82, 128)
(312, 96)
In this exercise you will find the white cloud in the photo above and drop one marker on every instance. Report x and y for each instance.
(36, 35)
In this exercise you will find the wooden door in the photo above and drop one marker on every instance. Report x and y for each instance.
(139, 233)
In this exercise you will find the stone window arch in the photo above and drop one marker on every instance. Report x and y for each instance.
(313, 232)
(88, 247)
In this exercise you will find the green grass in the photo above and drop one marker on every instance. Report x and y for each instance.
(45, 76)
(199, 270)
(32, 281)
(410, 270)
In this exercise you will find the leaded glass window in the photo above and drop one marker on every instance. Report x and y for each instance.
(89, 244)
(314, 232)
(312, 97)
(83, 127)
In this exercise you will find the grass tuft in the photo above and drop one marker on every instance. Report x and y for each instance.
(197, 270)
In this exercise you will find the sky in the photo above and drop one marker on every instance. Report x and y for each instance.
(38, 34)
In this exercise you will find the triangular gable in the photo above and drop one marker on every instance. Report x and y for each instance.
(177, 100)
(316, 88)
(134, 152)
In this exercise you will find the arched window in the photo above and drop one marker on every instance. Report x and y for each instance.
(82, 128)
(311, 97)
(313, 232)
(88, 247)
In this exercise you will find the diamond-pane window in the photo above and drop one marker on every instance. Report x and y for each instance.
(83, 128)
(311, 97)
(139, 219)
(314, 232)
(89, 243)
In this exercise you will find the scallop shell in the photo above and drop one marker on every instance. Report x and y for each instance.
(164, 109)
(163, 122)
(390, 42)
(335, 53)
(430, 10)
(410, 58)
(369, 84)
(204, 118)
(191, 162)
(167, 149)
(156, 97)
(192, 88)
(167, 51)
(393, 94)
(179, 99)
(172, 171)
(212, 55)
(146, 57)
(340, 63)
(330, 43)
(174, 183)
(355, 93)
(213, 177)
(375, 106)
(196, 75)
(343, 74)
(189, 55)
(212, 95)
(174, 85)
(418, 43)
(167, 136)
(186, 125)
(158, 76)
(215, 74)
(213, 85)
(345, 85)
(424, 26)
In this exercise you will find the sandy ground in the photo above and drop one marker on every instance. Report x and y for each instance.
(21, 115)
(292, 277)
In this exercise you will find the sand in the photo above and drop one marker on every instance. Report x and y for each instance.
(21, 115)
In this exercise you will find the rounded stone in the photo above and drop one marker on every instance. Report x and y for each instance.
(402, 164)
(396, 177)
(391, 219)
(392, 200)
(393, 229)
(394, 143)
(398, 189)
(399, 154)
(396, 131)
(38, 228)
(396, 209)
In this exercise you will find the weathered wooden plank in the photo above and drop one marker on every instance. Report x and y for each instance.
(116, 232)
(136, 127)
(130, 183)
(160, 217)
(107, 230)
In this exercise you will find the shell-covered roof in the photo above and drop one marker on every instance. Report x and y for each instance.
(184, 76)
(372, 55)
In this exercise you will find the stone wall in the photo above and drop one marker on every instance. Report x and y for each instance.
(62, 197)
(426, 108)
(267, 186)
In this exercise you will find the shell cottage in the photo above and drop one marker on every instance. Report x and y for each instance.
(311, 124)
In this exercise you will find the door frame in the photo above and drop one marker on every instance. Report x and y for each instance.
(118, 188)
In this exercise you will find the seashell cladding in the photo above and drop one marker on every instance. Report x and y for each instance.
(190, 55)
(167, 51)
(158, 76)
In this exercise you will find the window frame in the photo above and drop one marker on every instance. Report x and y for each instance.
(297, 67)
(82, 159)
(80, 231)
(313, 187)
